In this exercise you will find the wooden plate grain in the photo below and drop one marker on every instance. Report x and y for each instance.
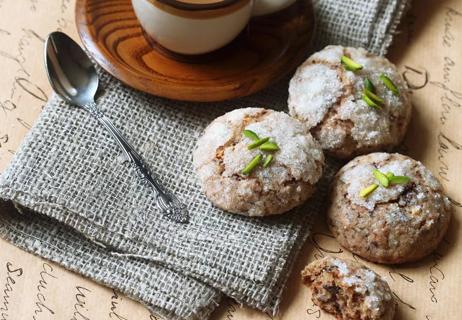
(269, 48)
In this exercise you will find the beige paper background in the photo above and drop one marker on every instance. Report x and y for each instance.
(428, 52)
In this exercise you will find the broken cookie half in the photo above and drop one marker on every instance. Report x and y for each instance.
(349, 290)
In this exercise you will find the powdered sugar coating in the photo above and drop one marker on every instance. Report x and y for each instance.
(360, 176)
(401, 223)
(328, 99)
(222, 152)
(349, 289)
(318, 84)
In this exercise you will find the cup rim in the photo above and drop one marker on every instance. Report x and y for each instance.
(189, 6)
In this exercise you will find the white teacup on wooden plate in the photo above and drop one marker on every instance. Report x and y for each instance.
(199, 26)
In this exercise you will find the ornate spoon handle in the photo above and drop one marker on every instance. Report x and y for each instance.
(166, 201)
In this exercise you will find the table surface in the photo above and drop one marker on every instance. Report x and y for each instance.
(428, 51)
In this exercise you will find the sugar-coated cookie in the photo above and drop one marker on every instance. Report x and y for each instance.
(271, 178)
(330, 98)
(402, 221)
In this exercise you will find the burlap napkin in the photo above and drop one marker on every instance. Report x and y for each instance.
(83, 207)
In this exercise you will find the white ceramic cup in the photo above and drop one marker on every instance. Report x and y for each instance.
(199, 26)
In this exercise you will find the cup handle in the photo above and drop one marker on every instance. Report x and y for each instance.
(264, 7)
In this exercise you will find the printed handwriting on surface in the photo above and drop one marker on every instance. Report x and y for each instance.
(80, 305)
(33, 5)
(232, 308)
(449, 19)
(115, 301)
(63, 23)
(445, 145)
(436, 275)
(13, 273)
(47, 275)
(31, 88)
(230, 311)
(416, 78)
(7, 106)
(313, 312)
(24, 123)
(321, 250)
(22, 90)
(401, 301)
(449, 98)
(22, 81)
(65, 6)
(3, 140)
(395, 274)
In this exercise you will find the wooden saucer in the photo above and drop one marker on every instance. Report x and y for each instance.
(269, 48)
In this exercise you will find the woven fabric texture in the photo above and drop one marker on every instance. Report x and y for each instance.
(134, 277)
(368, 24)
(81, 194)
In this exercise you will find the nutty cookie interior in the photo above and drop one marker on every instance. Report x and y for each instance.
(348, 290)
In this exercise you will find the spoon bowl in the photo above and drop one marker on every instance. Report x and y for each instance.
(70, 71)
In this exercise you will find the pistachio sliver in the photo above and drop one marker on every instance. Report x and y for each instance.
(369, 85)
(364, 193)
(268, 160)
(370, 102)
(399, 180)
(381, 178)
(251, 135)
(252, 164)
(257, 143)
(389, 84)
(269, 146)
(373, 96)
(350, 64)
(389, 175)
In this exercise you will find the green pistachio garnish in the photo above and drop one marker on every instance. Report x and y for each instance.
(268, 160)
(252, 164)
(381, 178)
(370, 102)
(269, 146)
(373, 97)
(368, 190)
(385, 180)
(399, 179)
(264, 145)
(389, 84)
(251, 135)
(257, 143)
(349, 64)
(369, 85)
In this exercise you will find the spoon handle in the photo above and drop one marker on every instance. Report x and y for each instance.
(169, 204)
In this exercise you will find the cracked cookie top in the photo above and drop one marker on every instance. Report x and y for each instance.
(398, 223)
(328, 98)
(222, 153)
(349, 290)
(413, 195)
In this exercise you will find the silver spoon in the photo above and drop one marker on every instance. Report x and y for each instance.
(73, 76)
